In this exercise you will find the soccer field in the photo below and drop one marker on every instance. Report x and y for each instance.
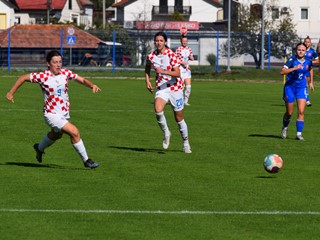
(140, 191)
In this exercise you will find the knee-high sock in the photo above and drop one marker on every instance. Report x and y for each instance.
(162, 122)
(187, 93)
(299, 125)
(285, 122)
(183, 128)
(81, 150)
(45, 142)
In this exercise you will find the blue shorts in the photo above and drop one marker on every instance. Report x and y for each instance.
(290, 93)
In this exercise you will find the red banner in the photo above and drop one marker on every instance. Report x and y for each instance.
(159, 25)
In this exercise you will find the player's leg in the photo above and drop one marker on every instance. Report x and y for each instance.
(308, 96)
(187, 91)
(160, 102)
(301, 103)
(176, 100)
(288, 97)
(78, 144)
(55, 122)
(49, 139)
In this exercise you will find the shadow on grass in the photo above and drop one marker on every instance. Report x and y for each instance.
(264, 135)
(268, 177)
(39, 165)
(144, 149)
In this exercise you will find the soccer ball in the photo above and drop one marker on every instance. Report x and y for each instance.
(273, 163)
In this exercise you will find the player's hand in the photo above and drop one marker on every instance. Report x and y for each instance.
(10, 97)
(95, 88)
(311, 86)
(149, 87)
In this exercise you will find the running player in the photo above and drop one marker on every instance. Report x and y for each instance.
(185, 54)
(54, 85)
(168, 88)
(296, 68)
(312, 55)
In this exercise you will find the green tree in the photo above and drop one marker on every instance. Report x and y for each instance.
(246, 33)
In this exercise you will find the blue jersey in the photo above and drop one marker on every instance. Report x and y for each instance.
(311, 54)
(297, 78)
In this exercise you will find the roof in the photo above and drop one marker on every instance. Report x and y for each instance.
(86, 2)
(40, 4)
(46, 36)
(123, 3)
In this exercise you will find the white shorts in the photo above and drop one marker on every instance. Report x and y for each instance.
(184, 73)
(56, 121)
(176, 98)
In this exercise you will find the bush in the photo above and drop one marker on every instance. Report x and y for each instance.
(211, 58)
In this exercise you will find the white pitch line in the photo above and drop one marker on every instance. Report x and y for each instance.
(183, 212)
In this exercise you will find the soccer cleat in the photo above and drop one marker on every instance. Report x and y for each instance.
(187, 149)
(90, 164)
(299, 137)
(284, 132)
(38, 152)
(187, 104)
(308, 103)
(166, 141)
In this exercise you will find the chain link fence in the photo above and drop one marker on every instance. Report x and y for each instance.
(125, 48)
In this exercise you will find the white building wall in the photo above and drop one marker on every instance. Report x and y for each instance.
(67, 14)
(142, 10)
(203, 12)
(8, 13)
(303, 27)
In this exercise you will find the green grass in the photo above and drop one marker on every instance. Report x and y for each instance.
(232, 127)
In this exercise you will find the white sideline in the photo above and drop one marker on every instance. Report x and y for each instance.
(182, 212)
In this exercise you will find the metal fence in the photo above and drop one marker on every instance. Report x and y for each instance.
(129, 48)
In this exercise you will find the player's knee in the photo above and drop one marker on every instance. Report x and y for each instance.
(54, 135)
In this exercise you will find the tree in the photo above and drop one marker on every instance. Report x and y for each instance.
(246, 34)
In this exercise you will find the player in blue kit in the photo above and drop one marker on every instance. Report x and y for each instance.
(296, 68)
(313, 56)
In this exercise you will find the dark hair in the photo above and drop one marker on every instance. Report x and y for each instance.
(300, 43)
(161, 34)
(52, 54)
(307, 38)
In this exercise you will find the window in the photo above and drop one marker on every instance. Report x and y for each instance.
(304, 14)
(275, 13)
(70, 4)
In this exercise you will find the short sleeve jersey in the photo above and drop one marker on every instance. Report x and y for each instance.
(54, 89)
(297, 78)
(184, 54)
(311, 54)
(166, 61)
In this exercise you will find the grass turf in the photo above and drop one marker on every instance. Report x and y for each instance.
(141, 191)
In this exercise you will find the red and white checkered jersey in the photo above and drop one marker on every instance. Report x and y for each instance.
(54, 89)
(184, 54)
(166, 61)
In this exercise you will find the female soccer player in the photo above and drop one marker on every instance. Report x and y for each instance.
(312, 55)
(297, 69)
(54, 85)
(185, 54)
(169, 88)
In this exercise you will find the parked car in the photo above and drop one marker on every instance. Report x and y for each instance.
(104, 56)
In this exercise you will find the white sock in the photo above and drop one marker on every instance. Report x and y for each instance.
(183, 128)
(187, 93)
(162, 121)
(45, 142)
(81, 150)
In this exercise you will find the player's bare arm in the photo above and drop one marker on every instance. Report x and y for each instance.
(174, 73)
(16, 86)
(147, 76)
(88, 83)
